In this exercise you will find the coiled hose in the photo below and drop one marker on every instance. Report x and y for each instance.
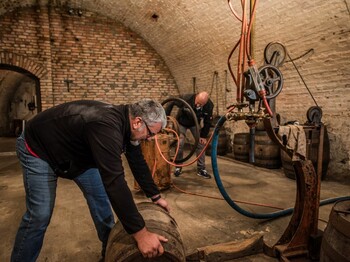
(223, 192)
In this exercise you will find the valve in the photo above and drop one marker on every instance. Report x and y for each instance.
(256, 81)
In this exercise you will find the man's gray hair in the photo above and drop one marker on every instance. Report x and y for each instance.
(150, 111)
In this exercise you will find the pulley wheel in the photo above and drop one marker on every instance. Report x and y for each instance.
(314, 114)
(272, 79)
(275, 53)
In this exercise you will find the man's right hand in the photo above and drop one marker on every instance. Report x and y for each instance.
(149, 243)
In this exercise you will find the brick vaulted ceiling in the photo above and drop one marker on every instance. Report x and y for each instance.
(195, 37)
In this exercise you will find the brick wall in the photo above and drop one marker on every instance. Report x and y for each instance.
(101, 59)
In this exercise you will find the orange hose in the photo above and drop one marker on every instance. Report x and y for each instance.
(220, 198)
(241, 54)
(250, 28)
(233, 11)
(229, 64)
(178, 144)
(268, 109)
(190, 163)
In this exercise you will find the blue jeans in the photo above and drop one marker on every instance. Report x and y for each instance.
(40, 184)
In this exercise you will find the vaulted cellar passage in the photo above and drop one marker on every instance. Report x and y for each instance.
(277, 76)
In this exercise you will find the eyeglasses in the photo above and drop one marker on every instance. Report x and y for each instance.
(150, 133)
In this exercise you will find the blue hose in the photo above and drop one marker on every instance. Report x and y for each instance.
(223, 192)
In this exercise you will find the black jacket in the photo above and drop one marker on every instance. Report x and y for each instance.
(184, 116)
(79, 135)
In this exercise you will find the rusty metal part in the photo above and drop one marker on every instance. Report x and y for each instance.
(301, 237)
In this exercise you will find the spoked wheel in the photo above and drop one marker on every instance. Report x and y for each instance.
(173, 140)
(272, 78)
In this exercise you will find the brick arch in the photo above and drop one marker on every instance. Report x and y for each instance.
(21, 61)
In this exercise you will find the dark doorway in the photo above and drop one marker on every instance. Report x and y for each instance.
(19, 99)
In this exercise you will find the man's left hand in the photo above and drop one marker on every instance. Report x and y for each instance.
(163, 204)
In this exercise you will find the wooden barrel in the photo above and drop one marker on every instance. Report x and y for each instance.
(161, 174)
(266, 152)
(336, 238)
(287, 165)
(241, 146)
(313, 141)
(122, 247)
(260, 126)
(222, 143)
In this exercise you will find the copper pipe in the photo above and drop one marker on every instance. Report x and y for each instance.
(251, 22)
(241, 55)
(244, 46)
(233, 11)
(229, 64)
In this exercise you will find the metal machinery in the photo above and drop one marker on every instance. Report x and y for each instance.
(257, 87)
(301, 238)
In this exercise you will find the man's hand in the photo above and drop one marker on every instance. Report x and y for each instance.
(203, 141)
(163, 203)
(149, 243)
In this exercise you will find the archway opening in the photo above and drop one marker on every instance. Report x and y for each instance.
(19, 99)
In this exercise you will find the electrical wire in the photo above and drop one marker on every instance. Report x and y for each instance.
(302, 79)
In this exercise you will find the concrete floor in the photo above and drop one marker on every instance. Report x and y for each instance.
(202, 220)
